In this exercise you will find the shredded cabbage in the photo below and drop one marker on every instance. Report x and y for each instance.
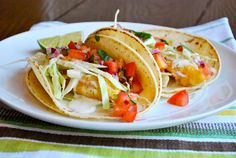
(57, 86)
(104, 92)
(72, 84)
(93, 71)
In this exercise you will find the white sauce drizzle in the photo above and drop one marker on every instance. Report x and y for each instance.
(180, 63)
(83, 105)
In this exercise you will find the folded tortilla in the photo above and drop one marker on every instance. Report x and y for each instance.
(40, 86)
(137, 46)
(174, 37)
(198, 45)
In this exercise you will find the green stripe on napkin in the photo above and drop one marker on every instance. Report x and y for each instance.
(26, 145)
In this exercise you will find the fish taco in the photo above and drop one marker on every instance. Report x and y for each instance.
(130, 38)
(185, 61)
(99, 79)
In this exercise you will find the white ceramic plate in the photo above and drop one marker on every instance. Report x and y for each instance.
(13, 91)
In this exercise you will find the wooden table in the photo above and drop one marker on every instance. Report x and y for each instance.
(19, 15)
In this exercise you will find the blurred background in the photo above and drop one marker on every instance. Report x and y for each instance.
(19, 15)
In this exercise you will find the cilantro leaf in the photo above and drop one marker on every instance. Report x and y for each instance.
(143, 35)
(103, 55)
(133, 101)
(162, 40)
(91, 59)
(97, 38)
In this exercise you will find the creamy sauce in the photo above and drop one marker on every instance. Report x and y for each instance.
(213, 70)
(187, 54)
(196, 58)
(150, 42)
(180, 63)
(83, 105)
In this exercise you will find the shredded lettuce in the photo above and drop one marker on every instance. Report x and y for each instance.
(92, 70)
(89, 64)
(76, 66)
(104, 92)
(62, 80)
(108, 76)
(72, 84)
(185, 47)
(55, 78)
(55, 81)
(74, 74)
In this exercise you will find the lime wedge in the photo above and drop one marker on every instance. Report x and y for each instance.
(59, 41)
(50, 42)
(65, 39)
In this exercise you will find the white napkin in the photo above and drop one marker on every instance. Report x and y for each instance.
(218, 30)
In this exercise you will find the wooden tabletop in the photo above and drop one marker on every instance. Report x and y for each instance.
(19, 15)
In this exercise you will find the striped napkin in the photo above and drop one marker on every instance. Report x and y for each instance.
(215, 136)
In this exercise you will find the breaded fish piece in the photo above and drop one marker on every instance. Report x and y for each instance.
(88, 86)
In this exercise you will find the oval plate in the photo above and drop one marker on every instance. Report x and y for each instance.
(13, 91)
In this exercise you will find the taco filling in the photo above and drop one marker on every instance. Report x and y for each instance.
(87, 79)
(182, 62)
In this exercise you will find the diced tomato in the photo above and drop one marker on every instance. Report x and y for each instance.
(124, 108)
(122, 99)
(120, 110)
(130, 69)
(71, 45)
(130, 115)
(180, 98)
(83, 47)
(136, 86)
(160, 45)
(121, 104)
(160, 61)
(180, 49)
(205, 70)
(112, 67)
(76, 54)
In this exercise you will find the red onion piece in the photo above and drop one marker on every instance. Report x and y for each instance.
(55, 53)
(102, 62)
(201, 64)
(48, 50)
(155, 51)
